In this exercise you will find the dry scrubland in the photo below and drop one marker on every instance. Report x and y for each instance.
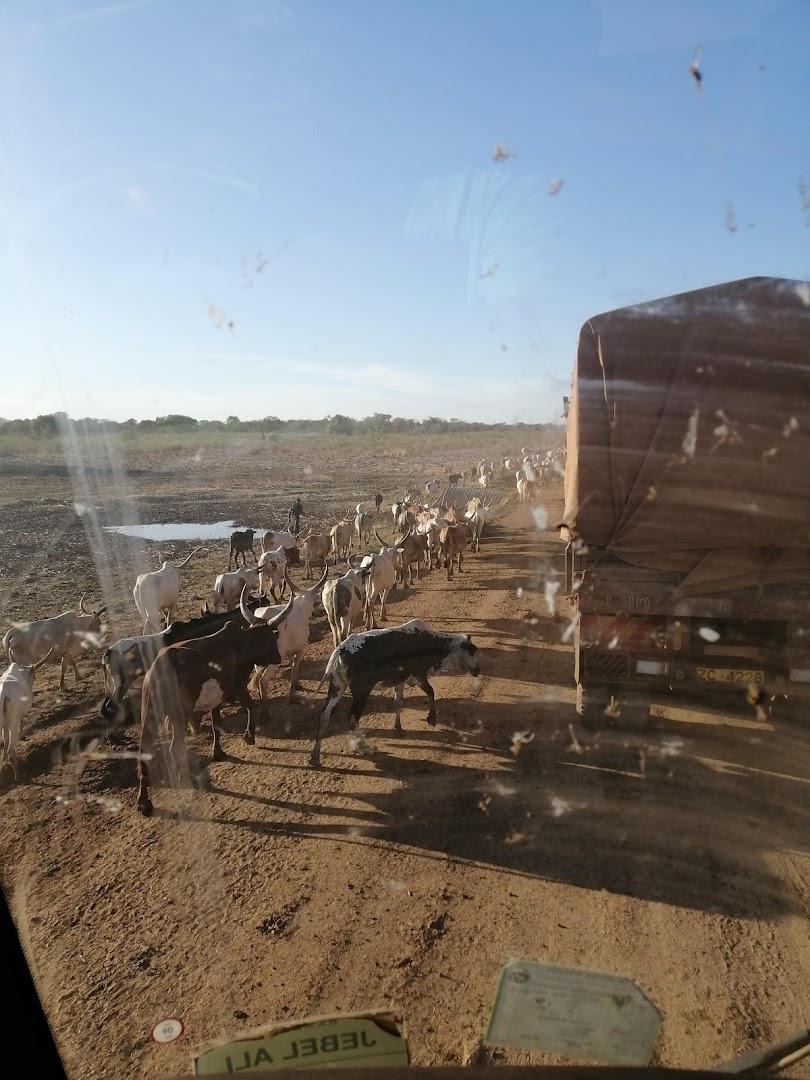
(677, 855)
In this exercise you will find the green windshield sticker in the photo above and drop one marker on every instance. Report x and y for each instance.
(572, 1012)
(366, 1039)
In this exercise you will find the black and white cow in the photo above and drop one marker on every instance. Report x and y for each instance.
(394, 656)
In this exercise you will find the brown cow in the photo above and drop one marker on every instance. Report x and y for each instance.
(453, 539)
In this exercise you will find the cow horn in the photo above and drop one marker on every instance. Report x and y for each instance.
(288, 579)
(277, 620)
(82, 608)
(247, 615)
(45, 658)
(180, 565)
(354, 555)
(10, 652)
(380, 539)
(324, 576)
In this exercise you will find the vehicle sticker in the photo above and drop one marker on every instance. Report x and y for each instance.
(356, 1040)
(575, 1013)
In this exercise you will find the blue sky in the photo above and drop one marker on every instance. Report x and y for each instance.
(321, 175)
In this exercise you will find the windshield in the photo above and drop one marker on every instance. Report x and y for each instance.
(497, 316)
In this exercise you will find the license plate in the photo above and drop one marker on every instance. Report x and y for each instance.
(731, 675)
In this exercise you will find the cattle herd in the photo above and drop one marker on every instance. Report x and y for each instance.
(193, 668)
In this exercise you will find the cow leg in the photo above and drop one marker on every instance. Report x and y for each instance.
(76, 675)
(360, 696)
(62, 674)
(250, 730)
(398, 695)
(383, 613)
(253, 553)
(296, 660)
(336, 692)
(459, 563)
(144, 802)
(428, 689)
(217, 754)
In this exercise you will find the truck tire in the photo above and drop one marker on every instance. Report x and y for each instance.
(634, 712)
(790, 710)
(591, 704)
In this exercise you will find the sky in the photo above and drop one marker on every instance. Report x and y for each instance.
(295, 209)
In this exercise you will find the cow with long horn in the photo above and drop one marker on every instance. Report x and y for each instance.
(62, 637)
(157, 593)
(194, 677)
(293, 635)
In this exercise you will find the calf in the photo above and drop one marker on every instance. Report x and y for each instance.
(316, 549)
(453, 539)
(194, 677)
(341, 537)
(241, 544)
(157, 593)
(342, 600)
(413, 548)
(363, 524)
(378, 499)
(454, 478)
(62, 637)
(228, 587)
(394, 656)
(294, 634)
(271, 572)
(432, 487)
(16, 701)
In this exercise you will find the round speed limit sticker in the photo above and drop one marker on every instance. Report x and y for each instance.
(166, 1031)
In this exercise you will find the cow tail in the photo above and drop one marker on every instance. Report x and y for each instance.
(332, 663)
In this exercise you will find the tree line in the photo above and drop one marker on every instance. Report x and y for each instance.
(50, 425)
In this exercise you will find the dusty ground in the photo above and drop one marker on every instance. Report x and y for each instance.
(677, 856)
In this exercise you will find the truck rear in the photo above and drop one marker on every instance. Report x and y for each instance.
(687, 497)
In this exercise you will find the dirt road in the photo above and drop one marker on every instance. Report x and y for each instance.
(677, 856)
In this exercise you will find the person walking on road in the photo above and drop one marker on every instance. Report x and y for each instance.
(295, 514)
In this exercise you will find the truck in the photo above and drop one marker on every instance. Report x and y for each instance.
(687, 499)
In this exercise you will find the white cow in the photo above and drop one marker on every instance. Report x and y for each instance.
(271, 572)
(363, 524)
(342, 600)
(476, 517)
(380, 574)
(228, 587)
(157, 593)
(16, 700)
(293, 633)
(272, 538)
(62, 637)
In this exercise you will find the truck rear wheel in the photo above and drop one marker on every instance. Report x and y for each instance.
(790, 710)
(591, 704)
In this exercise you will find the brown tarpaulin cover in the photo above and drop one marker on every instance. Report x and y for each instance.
(689, 435)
